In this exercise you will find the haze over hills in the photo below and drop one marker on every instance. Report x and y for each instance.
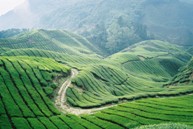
(106, 64)
(112, 25)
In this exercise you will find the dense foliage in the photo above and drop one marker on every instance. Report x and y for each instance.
(132, 88)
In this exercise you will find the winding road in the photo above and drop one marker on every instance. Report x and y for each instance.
(61, 103)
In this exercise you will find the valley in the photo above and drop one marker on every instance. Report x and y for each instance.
(54, 79)
(87, 64)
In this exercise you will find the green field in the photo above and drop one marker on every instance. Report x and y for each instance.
(147, 85)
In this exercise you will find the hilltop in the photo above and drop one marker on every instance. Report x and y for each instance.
(111, 25)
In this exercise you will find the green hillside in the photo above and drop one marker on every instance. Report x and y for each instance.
(52, 40)
(53, 79)
(111, 25)
(184, 76)
(166, 126)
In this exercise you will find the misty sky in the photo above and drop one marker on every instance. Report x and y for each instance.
(7, 5)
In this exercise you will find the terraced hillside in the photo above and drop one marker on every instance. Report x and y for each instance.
(53, 40)
(185, 75)
(52, 79)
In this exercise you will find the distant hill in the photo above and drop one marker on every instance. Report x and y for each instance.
(11, 32)
(52, 40)
(112, 25)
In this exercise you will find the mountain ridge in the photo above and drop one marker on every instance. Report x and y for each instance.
(110, 25)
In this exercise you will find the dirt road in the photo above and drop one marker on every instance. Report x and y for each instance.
(62, 104)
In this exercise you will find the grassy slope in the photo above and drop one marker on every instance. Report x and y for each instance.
(53, 40)
(128, 75)
(184, 76)
(140, 71)
(166, 126)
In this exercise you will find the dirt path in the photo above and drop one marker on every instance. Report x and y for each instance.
(62, 104)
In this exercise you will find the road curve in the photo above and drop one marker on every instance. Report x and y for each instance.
(61, 103)
(63, 106)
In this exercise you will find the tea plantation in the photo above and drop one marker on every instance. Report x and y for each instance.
(147, 85)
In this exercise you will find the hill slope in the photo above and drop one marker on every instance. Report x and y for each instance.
(184, 76)
(110, 24)
(126, 89)
(53, 40)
